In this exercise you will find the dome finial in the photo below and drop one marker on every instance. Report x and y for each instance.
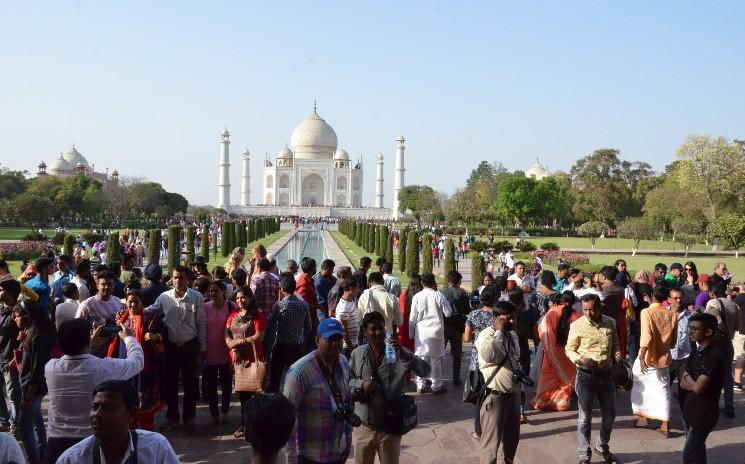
(315, 106)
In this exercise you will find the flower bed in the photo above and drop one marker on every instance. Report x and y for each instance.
(554, 256)
(23, 250)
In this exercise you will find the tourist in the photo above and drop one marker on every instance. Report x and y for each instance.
(498, 362)
(323, 431)
(244, 332)
(614, 295)
(376, 298)
(239, 277)
(342, 274)
(38, 338)
(128, 262)
(10, 290)
(257, 252)
(404, 304)
(592, 345)
(704, 295)
(202, 285)
(391, 283)
(728, 322)
(218, 273)
(688, 287)
(557, 372)
(526, 323)
(67, 309)
(435, 255)
(323, 282)
(575, 281)
(562, 274)
(476, 321)
(374, 382)
(218, 368)
(71, 378)
(700, 385)
(235, 260)
(306, 289)
(60, 278)
(265, 286)
(660, 271)
(291, 317)
(269, 420)
(739, 341)
(426, 326)
(199, 267)
(40, 284)
(641, 289)
(721, 270)
(682, 349)
(10, 450)
(361, 273)
(650, 394)
(348, 314)
(292, 267)
(674, 278)
(538, 301)
(154, 275)
(455, 324)
(519, 275)
(101, 308)
(185, 346)
(114, 407)
(119, 287)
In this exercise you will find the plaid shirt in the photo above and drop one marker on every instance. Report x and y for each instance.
(291, 314)
(317, 435)
(266, 291)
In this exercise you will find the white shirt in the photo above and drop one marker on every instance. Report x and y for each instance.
(71, 381)
(65, 311)
(184, 316)
(518, 280)
(98, 311)
(376, 298)
(151, 448)
(10, 450)
(83, 291)
(426, 322)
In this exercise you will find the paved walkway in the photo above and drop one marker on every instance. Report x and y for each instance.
(334, 251)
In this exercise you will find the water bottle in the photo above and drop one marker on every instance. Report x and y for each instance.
(390, 353)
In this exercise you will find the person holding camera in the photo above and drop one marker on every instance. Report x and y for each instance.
(499, 362)
(375, 381)
(317, 385)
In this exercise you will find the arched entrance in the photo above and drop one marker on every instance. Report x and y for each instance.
(312, 190)
(269, 199)
(284, 199)
(341, 200)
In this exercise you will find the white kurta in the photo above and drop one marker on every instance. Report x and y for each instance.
(426, 322)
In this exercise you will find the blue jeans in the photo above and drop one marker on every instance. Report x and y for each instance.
(10, 389)
(589, 386)
(33, 433)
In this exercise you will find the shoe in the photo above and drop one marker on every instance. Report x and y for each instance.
(475, 436)
(729, 413)
(440, 391)
(523, 419)
(607, 455)
(737, 387)
(169, 426)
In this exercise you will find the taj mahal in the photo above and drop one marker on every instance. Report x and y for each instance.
(311, 177)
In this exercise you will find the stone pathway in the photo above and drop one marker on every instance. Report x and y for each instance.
(334, 251)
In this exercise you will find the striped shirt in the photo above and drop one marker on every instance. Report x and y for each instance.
(346, 311)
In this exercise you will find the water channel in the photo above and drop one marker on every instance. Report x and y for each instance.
(306, 242)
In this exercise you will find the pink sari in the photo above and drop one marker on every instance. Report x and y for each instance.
(556, 381)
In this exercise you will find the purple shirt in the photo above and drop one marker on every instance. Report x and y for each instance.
(217, 350)
(701, 300)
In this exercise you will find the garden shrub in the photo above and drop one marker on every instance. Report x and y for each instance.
(550, 246)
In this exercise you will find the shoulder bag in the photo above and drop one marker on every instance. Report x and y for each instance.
(475, 387)
(400, 412)
(250, 375)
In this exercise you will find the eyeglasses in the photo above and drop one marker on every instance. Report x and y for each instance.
(674, 298)
(695, 329)
(689, 269)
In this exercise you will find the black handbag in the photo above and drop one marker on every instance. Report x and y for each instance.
(400, 415)
(472, 386)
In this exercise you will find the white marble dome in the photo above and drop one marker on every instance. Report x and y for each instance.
(60, 166)
(313, 139)
(341, 154)
(537, 171)
(284, 153)
(74, 157)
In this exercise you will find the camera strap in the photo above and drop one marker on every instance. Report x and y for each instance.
(336, 394)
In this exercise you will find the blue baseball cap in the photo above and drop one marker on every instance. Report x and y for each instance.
(330, 327)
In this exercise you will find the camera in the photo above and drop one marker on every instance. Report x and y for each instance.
(523, 379)
(345, 413)
(359, 396)
(111, 329)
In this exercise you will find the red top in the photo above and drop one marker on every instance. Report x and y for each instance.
(239, 328)
(306, 289)
(403, 331)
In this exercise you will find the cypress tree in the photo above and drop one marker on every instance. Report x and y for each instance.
(389, 250)
(244, 235)
(113, 250)
(449, 264)
(68, 245)
(190, 247)
(225, 239)
(371, 239)
(353, 230)
(214, 242)
(403, 236)
(236, 237)
(427, 259)
(478, 269)
(362, 240)
(376, 240)
(412, 253)
(174, 246)
(205, 251)
(153, 247)
(250, 231)
(256, 230)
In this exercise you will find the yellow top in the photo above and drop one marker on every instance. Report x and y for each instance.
(598, 342)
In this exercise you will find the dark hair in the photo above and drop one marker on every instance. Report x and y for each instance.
(660, 293)
(415, 286)
(135, 293)
(365, 261)
(287, 282)
(105, 275)
(500, 282)
(201, 284)
(519, 263)
(562, 265)
(219, 284)
(11, 286)
(454, 277)
(291, 263)
(372, 317)
(252, 306)
(694, 271)
(489, 275)
(327, 263)
(574, 271)
(40, 322)
(264, 264)
(181, 269)
(718, 287)
(42, 263)
(592, 297)
(83, 265)
(619, 261)
(660, 267)
(504, 307)
(428, 279)
(269, 419)
(69, 289)
(488, 296)
(239, 276)
(126, 390)
(562, 329)
(308, 265)
(63, 259)
(219, 272)
(388, 267)
(4, 265)
(609, 272)
(350, 284)
(344, 272)
(74, 335)
(548, 279)
(375, 277)
(568, 298)
(709, 321)
(515, 296)
(379, 262)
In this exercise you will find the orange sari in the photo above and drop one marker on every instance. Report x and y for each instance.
(556, 381)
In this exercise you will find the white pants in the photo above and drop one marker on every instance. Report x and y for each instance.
(435, 375)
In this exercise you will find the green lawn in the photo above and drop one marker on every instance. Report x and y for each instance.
(704, 265)
(604, 243)
(17, 233)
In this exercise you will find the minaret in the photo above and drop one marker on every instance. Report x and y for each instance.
(223, 186)
(246, 179)
(398, 175)
(379, 183)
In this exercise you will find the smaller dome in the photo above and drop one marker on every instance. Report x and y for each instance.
(537, 171)
(60, 165)
(341, 154)
(115, 173)
(284, 153)
(42, 164)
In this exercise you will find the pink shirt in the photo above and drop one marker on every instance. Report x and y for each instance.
(217, 350)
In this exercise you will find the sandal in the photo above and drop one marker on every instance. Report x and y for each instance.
(240, 432)
(475, 436)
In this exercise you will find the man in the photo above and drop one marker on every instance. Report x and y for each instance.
(682, 349)
(613, 303)
(60, 278)
(128, 264)
(323, 282)
(455, 324)
(306, 289)
(265, 286)
(376, 298)
(71, 378)
(700, 386)
(592, 345)
(676, 277)
(562, 272)
(81, 279)
(317, 385)
(426, 327)
(9, 291)
(102, 307)
(185, 346)
(391, 283)
(379, 264)
(154, 275)
(40, 284)
(115, 405)
(291, 318)
(660, 271)
(728, 321)
(342, 274)
(704, 295)
(650, 394)
(269, 420)
(519, 275)
(348, 314)
(291, 267)
(575, 281)
(373, 381)
(67, 309)
(499, 359)
(361, 273)
(721, 270)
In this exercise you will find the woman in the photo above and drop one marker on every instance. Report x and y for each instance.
(234, 260)
(244, 331)
(404, 303)
(38, 336)
(218, 273)
(257, 252)
(556, 380)
(476, 321)
(639, 287)
(218, 368)
(538, 300)
(689, 289)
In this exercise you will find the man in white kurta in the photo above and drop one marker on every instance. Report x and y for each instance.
(426, 321)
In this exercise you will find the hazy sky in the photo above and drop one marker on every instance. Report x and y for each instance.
(146, 87)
